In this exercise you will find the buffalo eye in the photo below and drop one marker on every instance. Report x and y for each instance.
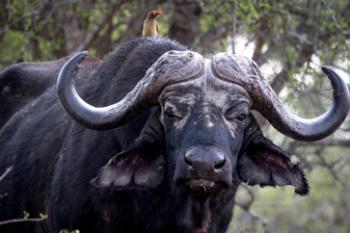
(237, 113)
(241, 117)
(172, 115)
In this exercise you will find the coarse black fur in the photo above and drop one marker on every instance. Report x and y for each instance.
(33, 139)
(22, 83)
(54, 160)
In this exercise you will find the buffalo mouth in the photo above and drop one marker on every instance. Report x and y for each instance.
(201, 185)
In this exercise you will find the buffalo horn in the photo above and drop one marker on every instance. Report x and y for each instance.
(184, 65)
(267, 103)
(243, 71)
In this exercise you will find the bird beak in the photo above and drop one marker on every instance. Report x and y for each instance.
(157, 13)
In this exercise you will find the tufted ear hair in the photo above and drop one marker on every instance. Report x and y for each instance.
(265, 164)
(140, 167)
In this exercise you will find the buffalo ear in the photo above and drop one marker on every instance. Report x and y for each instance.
(263, 163)
(141, 167)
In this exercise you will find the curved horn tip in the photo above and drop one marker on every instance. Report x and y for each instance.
(328, 69)
(325, 68)
(72, 63)
(79, 56)
(318, 127)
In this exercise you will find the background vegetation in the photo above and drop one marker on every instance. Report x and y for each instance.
(288, 39)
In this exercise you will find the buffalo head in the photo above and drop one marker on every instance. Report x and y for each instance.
(202, 136)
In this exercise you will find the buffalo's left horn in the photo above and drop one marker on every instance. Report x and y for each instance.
(170, 68)
(267, 103)
(245, 72)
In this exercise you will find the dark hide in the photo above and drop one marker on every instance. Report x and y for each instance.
(72, 173)
(141, 166)
(22, 83)
(263, 163)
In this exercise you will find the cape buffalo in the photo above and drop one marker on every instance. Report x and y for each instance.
(157, 140)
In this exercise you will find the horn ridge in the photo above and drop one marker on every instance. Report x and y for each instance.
(170, 68)
(246, 73)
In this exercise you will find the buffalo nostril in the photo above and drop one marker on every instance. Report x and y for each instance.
(187, 160)
(219, 164)
(204, 158)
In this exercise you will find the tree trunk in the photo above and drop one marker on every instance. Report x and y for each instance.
(184, 26)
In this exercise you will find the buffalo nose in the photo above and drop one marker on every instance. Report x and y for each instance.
(205, 158)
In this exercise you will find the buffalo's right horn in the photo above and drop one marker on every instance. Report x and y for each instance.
(172, 67)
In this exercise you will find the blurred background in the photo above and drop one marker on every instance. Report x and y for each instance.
(290, 40)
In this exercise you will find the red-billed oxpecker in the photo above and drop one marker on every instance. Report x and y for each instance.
(150, 24)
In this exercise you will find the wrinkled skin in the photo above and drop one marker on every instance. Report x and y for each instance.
(200, 130)
(174, 168)
(204, 128)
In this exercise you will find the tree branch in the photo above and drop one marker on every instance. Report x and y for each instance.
(184, 26)
(212, 36)
(91, 37)
(21, 220)
(329, 142)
